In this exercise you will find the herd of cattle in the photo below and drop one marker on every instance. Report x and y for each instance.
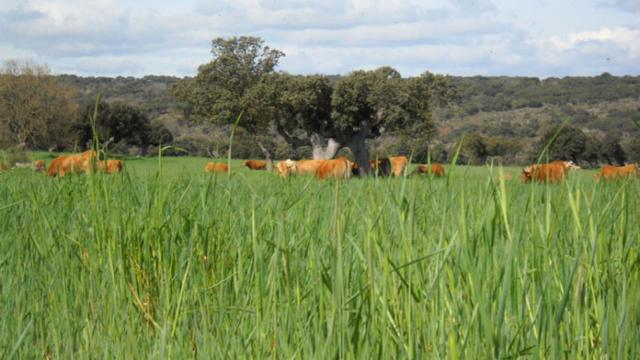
(78, 163)
(339, 168)
(342, 167)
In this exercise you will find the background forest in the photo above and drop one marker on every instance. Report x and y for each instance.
(502, 119)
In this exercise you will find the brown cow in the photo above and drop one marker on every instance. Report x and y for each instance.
(307, 167)
(285, 167)
(398, 164)
(609, 172)
(39, 165)
(435, 169)
(552, 172)
(216, 167)
(110, 166)
(76, 163)
(255, 164)
(568, 165)
(339, 168)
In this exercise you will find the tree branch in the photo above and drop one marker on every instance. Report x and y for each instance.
(294, 141)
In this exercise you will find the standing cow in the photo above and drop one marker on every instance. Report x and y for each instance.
(255, 164)
(609, 172)
(339, 168)
(77, 163)
(552, 172)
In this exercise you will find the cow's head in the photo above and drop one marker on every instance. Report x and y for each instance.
(526, 173)
(570, 165)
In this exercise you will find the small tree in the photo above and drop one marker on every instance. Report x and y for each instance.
(633, 150)
(36, 110)
(123, 124)
(474, 148)
(612, 151)
(569, 144)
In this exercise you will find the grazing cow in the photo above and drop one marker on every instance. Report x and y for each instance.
(255, 164)
(568, 165)
(110, 166)
(339, 168)
(76, 163)
(39, 165)
(435, 169)
(216, 167)
(299, 167)
(609, 172)
(553, 172)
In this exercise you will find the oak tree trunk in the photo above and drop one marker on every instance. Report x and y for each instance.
(267, 155)
(360, 153)
(323, 149)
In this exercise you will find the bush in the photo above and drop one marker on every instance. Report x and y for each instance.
(12, 156)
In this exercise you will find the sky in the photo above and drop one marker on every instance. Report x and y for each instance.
(542, 38)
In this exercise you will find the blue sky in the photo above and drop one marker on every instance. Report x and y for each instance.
(459, 37)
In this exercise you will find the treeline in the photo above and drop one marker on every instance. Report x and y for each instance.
(487, 94)
(504, 119)
(39, 111)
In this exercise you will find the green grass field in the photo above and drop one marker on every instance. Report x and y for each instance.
(169, 262)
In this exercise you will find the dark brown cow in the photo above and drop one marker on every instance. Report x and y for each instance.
(255, 164)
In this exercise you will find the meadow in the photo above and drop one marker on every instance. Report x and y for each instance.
(165, 261)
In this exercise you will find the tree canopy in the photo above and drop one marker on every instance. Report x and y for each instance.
(36, 109)
(124, 125)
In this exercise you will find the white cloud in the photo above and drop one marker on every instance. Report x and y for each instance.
(115, 37)
(622, 37)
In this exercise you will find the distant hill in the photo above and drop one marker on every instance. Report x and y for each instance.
(509, 110)
(151, 93)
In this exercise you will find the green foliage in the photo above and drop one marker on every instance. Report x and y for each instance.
(633, 150)
(292, 104)
(481, 93)
(125, 125)
(160, 134)
(474, 149)
(569, 144)
(612, 151)
(217, 94)
(151, 93)
(368, 103)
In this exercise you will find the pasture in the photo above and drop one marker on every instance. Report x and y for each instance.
(165, 261)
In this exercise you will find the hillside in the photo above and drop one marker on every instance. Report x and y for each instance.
(511, 111)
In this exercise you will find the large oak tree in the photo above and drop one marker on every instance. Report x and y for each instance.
(309, 110)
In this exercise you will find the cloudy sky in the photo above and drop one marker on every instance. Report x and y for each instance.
(459, 37)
